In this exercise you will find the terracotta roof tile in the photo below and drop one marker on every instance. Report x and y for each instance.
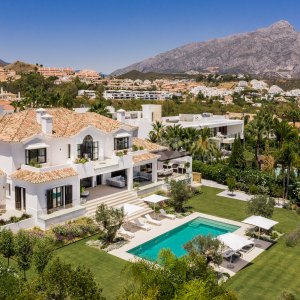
(144, 156)
(41, 177)
(22, 125)
(148, 145)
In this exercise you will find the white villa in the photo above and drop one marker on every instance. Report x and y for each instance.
(223, 129)
(48, 156)
(145, 95)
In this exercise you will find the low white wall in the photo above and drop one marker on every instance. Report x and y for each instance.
(24, 224)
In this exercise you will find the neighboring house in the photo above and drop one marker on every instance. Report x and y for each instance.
(91, 94)
(223, 129)
(145, 95)
(39, 159)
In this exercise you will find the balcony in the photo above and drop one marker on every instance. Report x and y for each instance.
(45, 167)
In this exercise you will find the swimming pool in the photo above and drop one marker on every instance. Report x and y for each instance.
(177, 237)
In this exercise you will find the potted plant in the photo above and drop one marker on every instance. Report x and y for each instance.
(84, 192)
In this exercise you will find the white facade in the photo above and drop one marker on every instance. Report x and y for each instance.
(145, 95)
(31, 188)
(223, 129)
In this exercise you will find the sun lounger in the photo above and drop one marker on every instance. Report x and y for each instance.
(152, 221)
(164, 214)
(141, 224)
(248, 248)
(231, 255)
(125, 232)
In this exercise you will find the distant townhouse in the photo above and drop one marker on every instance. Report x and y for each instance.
(7, 74)
(89, 75)
(91, 94)
(130, 94)
(57, 72)
(48, 157)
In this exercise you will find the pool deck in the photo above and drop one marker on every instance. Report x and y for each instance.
(142, 236)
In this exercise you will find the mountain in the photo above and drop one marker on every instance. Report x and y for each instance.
(268, 52)
(3, 63)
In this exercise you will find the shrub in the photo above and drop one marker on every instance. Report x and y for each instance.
(274, 235)
(253, 189)
(81, 160)
(292, 238)
(231, 183)
(286, 295)
(73, 230)
(298, 210)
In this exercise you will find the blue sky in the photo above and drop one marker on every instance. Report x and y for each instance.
(106, 35)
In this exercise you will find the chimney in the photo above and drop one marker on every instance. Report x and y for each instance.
(121, 115)
(47, 124)
(39, 113)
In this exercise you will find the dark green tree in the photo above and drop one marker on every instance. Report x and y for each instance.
(43, 252)
(7, 244)
(237, 158)
(24, 251)
(261, 205)
(179, 194)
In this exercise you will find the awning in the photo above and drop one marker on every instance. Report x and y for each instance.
(234, 241)
(123, 134)
(169, 154)
(155, 198)
(260, 222)
(130, 209)
(36, 146)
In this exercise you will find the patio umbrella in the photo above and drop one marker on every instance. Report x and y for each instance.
(129, 208)
(234, 242)
(260, 222)
(155, 199)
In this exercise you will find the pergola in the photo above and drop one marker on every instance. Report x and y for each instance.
(260, 222)
(233, 241)
(154, 199)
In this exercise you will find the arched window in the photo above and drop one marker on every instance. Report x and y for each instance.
(88, 148)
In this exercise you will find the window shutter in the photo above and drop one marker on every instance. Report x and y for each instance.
(18, 198)
(95, 150)
(49, 199)
(68, 194)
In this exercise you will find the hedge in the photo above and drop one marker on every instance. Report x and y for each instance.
(247, 178)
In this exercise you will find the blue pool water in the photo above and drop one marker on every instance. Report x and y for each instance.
(176, 238)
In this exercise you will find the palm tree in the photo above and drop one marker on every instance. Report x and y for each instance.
(204, 149)
(156, 134)
(284, 132)
(100, 107)
(288, 155)
(256, 131)
(172, 137)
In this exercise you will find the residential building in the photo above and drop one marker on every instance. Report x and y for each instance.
(57, 72)
(7, 74)
(90, 75)
(130, 94)
(91, 94)
(48, 156)
(223, 129)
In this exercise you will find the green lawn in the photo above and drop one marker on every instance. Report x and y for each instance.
(106, 268)
(273, 271)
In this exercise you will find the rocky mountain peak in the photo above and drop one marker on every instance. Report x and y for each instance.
(273, 51)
